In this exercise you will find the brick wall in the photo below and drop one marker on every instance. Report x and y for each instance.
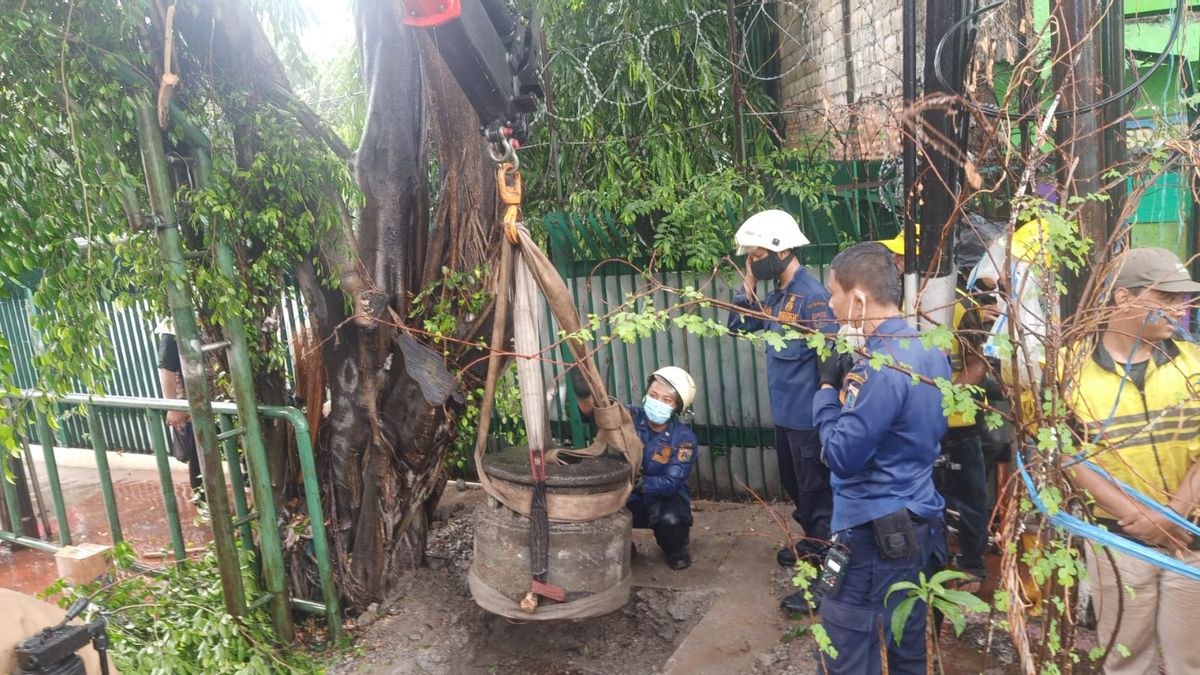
(864, 123)
(817, 101)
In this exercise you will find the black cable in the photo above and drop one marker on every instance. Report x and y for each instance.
(99, 630)
(995, 111)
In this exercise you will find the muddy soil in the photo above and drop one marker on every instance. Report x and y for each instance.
(433, 626)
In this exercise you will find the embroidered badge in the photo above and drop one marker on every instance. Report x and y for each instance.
(662, 455)
(850, 389)
(685, 452)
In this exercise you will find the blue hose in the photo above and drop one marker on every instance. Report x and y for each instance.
(1081, 528)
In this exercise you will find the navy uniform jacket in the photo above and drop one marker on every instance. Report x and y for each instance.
(667, 456)
(880, 434)
(792, 377)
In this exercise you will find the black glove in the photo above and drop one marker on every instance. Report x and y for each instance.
(834, 367)
(580, 385)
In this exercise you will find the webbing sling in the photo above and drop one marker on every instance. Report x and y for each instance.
(614, 423)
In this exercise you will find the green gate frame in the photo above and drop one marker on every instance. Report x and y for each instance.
(154, 410)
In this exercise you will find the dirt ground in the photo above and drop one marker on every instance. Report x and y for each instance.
(719, 616)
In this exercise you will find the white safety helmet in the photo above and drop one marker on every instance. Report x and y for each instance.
(680, 381)
(772, 229)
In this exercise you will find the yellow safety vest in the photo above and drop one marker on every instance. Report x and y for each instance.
(1147, 438)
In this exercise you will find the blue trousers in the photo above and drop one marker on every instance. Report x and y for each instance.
(855, 616)
(670, 516)
(805, 479)
(962, 480)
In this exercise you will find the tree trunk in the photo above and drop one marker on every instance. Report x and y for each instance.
(381, 450)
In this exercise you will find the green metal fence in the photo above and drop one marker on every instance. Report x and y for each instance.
(732, 413)
(151, 411)
(134, 349)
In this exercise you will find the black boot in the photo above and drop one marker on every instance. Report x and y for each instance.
(814, 553)
(679, 559)
(786, 557)
(796, 603)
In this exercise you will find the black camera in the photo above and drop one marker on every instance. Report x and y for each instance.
(52, 650)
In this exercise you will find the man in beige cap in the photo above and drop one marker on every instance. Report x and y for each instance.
(1132, 395)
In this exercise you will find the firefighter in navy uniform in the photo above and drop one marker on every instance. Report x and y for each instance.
(961, 475)
(880, 435)
(660, 500)
(768, 240)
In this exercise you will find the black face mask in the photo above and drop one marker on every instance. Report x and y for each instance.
(769, 266)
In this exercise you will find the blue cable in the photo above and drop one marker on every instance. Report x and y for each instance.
(1124, 378)
(1170, 514)
(1079, 527)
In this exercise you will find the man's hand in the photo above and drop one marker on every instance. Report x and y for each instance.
(748, 281)
(990, 312)
(176, 419)
(834, 367)
(1154, 529)
(579, 385)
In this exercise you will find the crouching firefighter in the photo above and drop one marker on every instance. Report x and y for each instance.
(660, 500)
(880, 430)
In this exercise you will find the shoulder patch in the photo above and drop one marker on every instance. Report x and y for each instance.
(850, 388)
(685, 452)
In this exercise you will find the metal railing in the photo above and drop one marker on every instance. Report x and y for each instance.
(131, 344)
(154, 409)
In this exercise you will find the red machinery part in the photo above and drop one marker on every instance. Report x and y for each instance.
(429, 13)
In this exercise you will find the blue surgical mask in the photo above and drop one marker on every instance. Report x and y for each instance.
(657, 411)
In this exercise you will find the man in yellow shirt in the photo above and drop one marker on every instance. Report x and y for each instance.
(1136, 396)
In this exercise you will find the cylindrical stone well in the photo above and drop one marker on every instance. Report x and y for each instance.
(589, 559)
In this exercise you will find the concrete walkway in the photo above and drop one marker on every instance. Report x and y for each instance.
(139, 504)
(733, 551)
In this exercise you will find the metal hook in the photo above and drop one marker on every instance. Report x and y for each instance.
(507, 153)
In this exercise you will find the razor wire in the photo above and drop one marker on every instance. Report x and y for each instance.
(793, 28)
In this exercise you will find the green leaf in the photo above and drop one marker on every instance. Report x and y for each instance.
(900, 616)
(900, 586)
(953, 614)
(969, 601)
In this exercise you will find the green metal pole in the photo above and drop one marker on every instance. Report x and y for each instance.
(187, 336)
(106, 487)
(46, 438)
(307, 467)
(316, 516)
(233, 459)
(10, 496)
(155, 424)
(242, 377)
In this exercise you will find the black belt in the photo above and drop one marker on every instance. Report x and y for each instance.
(916, 520)
(1115, 527)
(959, 432)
